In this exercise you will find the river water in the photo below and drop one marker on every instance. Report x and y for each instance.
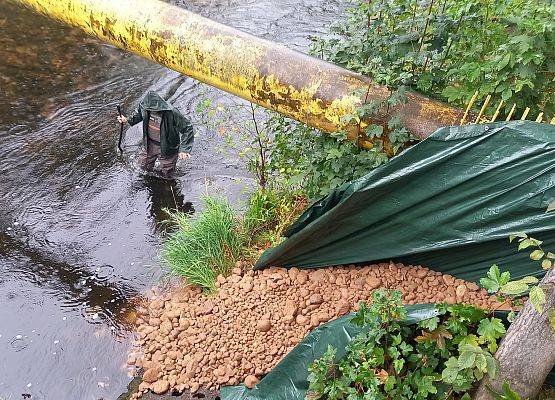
(80, 227)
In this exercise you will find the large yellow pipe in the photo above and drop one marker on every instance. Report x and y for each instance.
(269, 74)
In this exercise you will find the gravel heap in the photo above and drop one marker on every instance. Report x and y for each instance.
(188, 340)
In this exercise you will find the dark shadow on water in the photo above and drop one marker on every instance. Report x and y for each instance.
(164, 194)
(93, 290)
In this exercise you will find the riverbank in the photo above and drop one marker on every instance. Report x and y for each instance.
(188, 340)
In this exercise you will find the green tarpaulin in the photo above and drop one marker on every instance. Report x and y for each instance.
(448, 203)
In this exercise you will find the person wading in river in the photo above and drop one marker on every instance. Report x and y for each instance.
(167, 134)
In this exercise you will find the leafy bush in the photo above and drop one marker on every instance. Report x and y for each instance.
(445, 49)
(451, 48)
(317, 163)
(205, 245)
(438, 358)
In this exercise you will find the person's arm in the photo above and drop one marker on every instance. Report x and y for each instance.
(187, 138)
(134, 119)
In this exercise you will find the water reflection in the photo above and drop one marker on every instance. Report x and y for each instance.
(38, 61)
(164, 195)
(92, 290)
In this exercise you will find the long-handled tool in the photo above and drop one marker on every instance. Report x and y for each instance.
(120, 130)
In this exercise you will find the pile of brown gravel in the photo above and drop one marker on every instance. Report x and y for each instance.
(188, 340)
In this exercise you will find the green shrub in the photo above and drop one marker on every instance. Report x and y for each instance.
(451, 48)
(205, 245)
(439, 358)
(317, 163)
(261, 212)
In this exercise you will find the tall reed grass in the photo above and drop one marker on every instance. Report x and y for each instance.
(210, 243)
(205, 245)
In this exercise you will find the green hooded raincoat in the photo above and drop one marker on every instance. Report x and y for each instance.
(176, 131)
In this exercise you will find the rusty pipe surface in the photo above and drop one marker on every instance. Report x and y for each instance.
(294, 84)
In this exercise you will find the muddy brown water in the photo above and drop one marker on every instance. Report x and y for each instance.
(80, 227)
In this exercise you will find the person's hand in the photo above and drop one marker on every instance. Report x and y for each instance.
(122, 119)
(184, 156)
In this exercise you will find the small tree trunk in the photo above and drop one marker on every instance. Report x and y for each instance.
(527, 352)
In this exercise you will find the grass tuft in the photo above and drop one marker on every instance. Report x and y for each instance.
(210, 243)
(205, 245)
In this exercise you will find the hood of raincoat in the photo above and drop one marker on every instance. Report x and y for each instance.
(153, 102)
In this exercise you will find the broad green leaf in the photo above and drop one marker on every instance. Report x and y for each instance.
(374, 130)
(390, 383)
(529, 242)
(491, 329)
(478, 374)
(450, 373)
(492, 347)
(492, 366)
(505, 278)
(508, 393)
(495, 279)
(398, 364)
(551, 255)
(506, 95)
(429, 324)
(511, 316)
(393, 352)
(405, 348)
(505, 61)
(514, 288)
(537, 255)
(396, 340)
(537, 298)
(469, 340)
(466, 360)
(466, 312)
(481, 363)
(426, 386)
(489, 284)
(494, 273)
(525, 244)
(530, 280)
(521, 235)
